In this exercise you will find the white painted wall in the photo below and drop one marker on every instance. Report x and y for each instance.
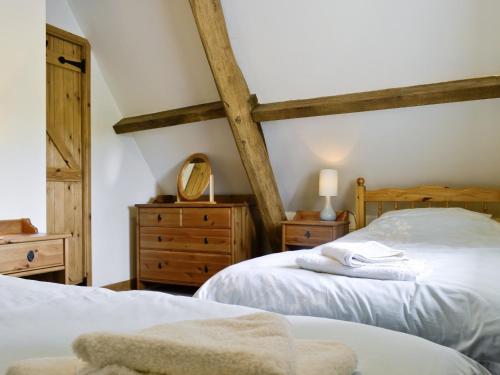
(290, 49)
(299, 49)
(120, 176)
(22, 111)
(304, 49)
(153, 60)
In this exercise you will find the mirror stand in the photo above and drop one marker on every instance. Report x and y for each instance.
(211, 195)
(193, 179)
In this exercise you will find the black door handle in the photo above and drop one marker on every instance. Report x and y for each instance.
(78, 64)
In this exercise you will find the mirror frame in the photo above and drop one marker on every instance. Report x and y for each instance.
(180, 190)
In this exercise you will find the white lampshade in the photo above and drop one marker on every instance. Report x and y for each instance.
(328, 181)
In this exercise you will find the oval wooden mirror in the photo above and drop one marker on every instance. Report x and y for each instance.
(194, 177)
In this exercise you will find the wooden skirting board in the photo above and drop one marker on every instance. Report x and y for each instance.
(122, 286)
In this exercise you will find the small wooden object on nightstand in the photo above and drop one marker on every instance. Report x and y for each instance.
(306, 230)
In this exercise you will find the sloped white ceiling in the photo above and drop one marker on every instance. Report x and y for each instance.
(288, 49)
(153, 60)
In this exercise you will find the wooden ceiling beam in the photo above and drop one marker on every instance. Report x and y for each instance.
(172, 117)
(238, 104)
(412, 96)
(434, 93)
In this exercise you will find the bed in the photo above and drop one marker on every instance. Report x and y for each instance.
(456, 303)
(40, 319)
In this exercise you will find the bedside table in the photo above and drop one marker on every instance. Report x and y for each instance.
(306, 230)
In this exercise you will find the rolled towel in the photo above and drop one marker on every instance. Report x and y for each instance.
(357, 254)
(400, 271)
(253, 344)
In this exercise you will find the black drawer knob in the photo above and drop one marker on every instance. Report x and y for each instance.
(206, 269)
(205, 240)
(159, 238)
(159, 217)
(307, 234)
(205, 217)
(30, 256)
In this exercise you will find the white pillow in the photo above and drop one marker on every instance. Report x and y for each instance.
(452, 212)
(440, 226)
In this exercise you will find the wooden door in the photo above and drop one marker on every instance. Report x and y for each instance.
(68, 146)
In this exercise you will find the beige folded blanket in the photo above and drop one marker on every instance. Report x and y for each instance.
(257, 344)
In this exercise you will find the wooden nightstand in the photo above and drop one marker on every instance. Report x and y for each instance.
(307, 231)
(25, 252)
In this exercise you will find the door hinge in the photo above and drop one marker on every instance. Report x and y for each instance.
(79, 64)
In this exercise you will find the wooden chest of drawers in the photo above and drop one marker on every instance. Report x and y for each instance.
(186, 244)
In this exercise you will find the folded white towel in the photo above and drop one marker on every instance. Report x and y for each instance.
(357, 254)
(401, 271)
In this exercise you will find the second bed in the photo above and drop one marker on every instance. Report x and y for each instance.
(456, 302)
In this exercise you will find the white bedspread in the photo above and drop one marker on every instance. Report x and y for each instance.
(40, 319)
(456, 305)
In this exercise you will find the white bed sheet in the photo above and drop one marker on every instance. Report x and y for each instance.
(457, 304)
(41, 319)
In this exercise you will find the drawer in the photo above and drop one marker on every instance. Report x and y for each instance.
(189, 239)
(340, 231)
(31, 255)
(160, 217)
(307, 235)
(206, 217)
(180, 268)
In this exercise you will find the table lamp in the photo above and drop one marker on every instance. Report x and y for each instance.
(328, 181)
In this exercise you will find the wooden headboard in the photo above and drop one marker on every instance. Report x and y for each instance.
(475, 199)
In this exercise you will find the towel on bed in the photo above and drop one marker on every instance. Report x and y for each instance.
(358, 254)
(401, 271)
(252, 344)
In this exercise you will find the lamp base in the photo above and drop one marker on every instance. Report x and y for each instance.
(328, 213)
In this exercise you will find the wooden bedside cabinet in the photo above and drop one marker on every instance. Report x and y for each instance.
(187, 243)
(25, 252)
(306, 230)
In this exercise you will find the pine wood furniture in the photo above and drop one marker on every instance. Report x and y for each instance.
(25, 252)
(187, 243)
(306, 230)
(68, 146)
(193, 179)
(474, 199)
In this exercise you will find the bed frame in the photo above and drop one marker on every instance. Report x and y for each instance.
(388, 199)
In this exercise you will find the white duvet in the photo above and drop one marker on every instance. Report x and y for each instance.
(41, 320)
(457, 304)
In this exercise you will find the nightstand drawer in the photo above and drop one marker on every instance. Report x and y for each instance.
(180, 268)
(160, 217)
(307, 235)
(206, 217)
(31, 255)
(189, 239)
